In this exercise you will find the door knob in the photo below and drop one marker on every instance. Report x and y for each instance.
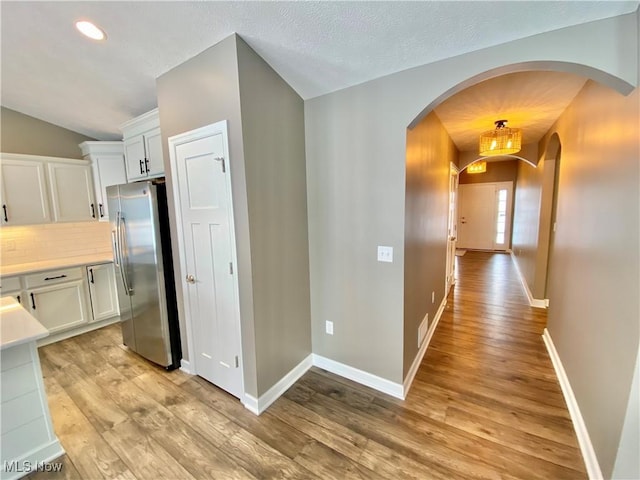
(191, 279)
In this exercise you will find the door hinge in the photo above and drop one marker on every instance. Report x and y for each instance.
(231, 268)
(221, 159)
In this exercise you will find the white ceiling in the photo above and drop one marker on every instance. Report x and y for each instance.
(531, 101)
(50, 72)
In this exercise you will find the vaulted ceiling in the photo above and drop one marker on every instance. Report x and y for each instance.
(51, 72)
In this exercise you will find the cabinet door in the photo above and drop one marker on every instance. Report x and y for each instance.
(102, 289)
(59, 307)
(107, 170)
(71, 192)
(134, 156)
(153, 148)
(24, 193)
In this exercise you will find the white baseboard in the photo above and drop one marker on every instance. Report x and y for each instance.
(57, 337)
(259, 405)
(423, 349)
(534, 302)
(586, 447)
(185, 366)
(365, 378)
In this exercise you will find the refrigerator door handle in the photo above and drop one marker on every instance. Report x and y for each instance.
(124, 256)
(114, 246)
(118, 252)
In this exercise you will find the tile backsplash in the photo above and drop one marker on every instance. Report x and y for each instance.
(36, 243)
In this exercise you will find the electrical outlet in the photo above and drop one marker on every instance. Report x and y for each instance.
(385, 254)
(329, 327)
(433, 297)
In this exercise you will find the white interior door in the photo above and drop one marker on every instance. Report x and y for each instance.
(204, 190)
(452, 232)
(484, 218)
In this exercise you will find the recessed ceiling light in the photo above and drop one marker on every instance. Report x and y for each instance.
(90, 30)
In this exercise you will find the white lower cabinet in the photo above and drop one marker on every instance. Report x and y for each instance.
(102, 289)
(60, 307)
(67, 301)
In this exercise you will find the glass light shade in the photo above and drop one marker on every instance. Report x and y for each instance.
(501, 141)
(477, 167)
(90, 30)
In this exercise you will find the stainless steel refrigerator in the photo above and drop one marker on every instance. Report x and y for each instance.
(144, 271)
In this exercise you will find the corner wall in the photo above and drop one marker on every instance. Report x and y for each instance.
(199, 92)
(274, 153)
(430, 151)
(594, 273)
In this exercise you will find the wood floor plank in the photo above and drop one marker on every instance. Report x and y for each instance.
(91, 456)
(263, 461)
(144, 456)
(327, 463)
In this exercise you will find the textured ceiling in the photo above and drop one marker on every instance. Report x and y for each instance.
(531, 101)
(50, 72)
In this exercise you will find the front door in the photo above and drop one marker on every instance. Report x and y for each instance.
(204, 191)
(484, 216)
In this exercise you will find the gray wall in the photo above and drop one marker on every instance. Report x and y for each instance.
(28, 135)
(627, 461)
(594, 274)
(526, 223)
(503, 171)
(267, 163)
(274, 153)
(201, 91)
(430, 151)
(356, 147)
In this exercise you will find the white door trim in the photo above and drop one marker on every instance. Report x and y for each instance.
(174, 142)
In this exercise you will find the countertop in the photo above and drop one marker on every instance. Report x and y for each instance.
(22, 268)
(17, 326)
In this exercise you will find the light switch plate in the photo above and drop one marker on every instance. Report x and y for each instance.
(385, 254)
(329, 327)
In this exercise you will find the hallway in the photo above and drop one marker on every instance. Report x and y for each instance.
(485, 404)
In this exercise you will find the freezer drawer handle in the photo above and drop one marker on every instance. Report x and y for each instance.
(33, 301)
(55, 278)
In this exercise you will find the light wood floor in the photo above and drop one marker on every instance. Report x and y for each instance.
(485, 404)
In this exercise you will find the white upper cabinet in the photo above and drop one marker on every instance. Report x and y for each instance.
(143, 147)
(24, 192)
(71, 187)
(107, 163)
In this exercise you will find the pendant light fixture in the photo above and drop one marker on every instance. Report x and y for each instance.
(501, 141)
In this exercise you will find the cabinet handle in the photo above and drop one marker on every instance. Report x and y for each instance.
(146, 164)
(91, 275)
(55, 278)
(18, 298)
(33, 301)
(93, 211)
(141, 168)
(4, 209)
(101, 210)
